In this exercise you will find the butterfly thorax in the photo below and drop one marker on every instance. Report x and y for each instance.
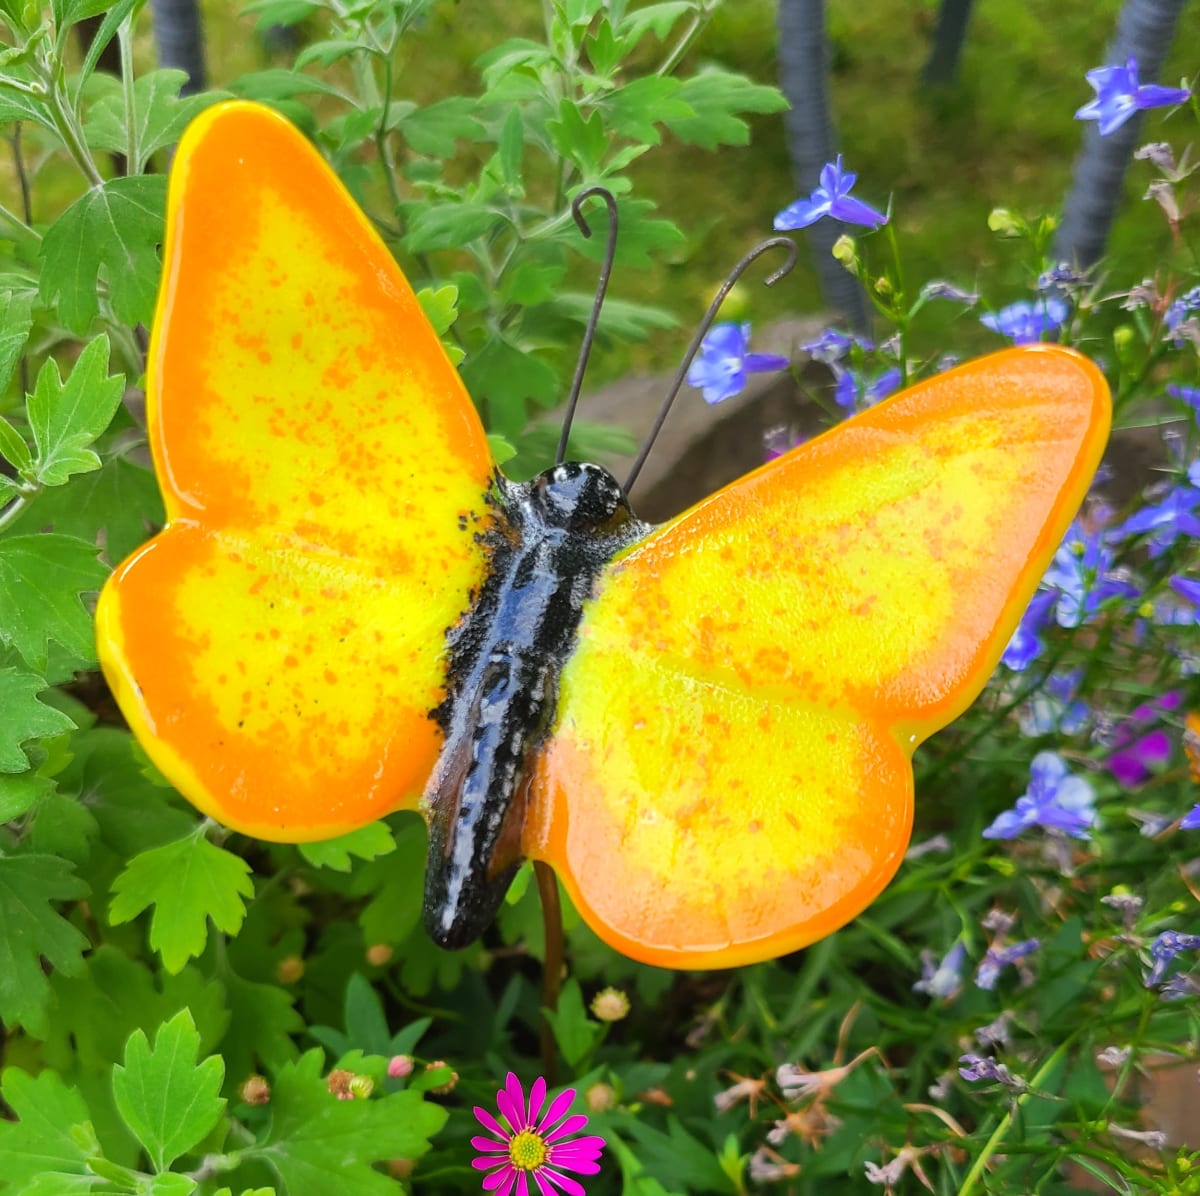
(546, 546)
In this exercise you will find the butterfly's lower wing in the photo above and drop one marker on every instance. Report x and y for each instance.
(278, 646)
(729, 775)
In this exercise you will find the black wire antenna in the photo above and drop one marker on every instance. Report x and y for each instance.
(705, 324)
(589, 335)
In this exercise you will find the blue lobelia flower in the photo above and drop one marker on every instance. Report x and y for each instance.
(1055, 708)
(1178, 313)
(1024, 323)
(1164, 949)
(1187, 394)
(1189, 591)
(1119, 95)
(831, 346)
(720, 368)
(1026, 643)
(1082, 574)
(1191, 820)
(831, 198)
(854, 391)
(1055, 800)
(997, 959)
(942, 981)
(1176, 515)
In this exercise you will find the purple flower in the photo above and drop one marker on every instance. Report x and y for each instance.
(1119, 95)
(1191, 820)
(1179, 311)
(831, 198)
(1024, 323)
(1167, 520)
(980, 1068)
(854, 391)
(1055, 708)
(1189, 591)
(1163, 951)
(939, 288)
(1082, 573)
(1055, 801)
(942, 981)
(1189, 395)
(1138, 756)
(998, 958)
(528, 1144)
(831, 346)
(1026, 643)
(720, 368)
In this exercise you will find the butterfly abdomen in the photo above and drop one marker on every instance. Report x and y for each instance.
(551, 538)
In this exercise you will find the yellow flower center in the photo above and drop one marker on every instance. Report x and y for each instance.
(527, 1151)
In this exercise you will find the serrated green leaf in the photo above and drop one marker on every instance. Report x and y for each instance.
(511, 148)
(279, 84)
(120, 498)
(440, 305)
(51, 1137)
(187, 882)
(21, 793)
(659, 18)
(16, 321)
(41, 578)
(14, 449)
(366, 1023)
(395, 907)
(17, 105)
(160, 116)
(63, 826)
(281, 12)
(715, 97)
(170, 1183)
(575, 1033)
(71, 12)
(99, 39)
(67, 417)
(582, 140)
(637, 109)
(167, 1099)
(505, 379)
(23, 717)
(448, 226)
(532, 282)
(262, 1020)
(367, 842)
(317, 1144)
(114, 230)
(435, 128)
(32, 930)
(328, 52)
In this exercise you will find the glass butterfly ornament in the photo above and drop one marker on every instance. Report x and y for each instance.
(349, 604)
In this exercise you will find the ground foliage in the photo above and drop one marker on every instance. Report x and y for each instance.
(182, 1008)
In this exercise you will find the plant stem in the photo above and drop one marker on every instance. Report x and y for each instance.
(547, 885)
(133, 154)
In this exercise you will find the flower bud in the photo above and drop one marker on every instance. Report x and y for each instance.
(610, 1005)
(361, 1087)
(845, 250)
(289, 969)
(400, 1066)
(1005, 222)
(600, 1097)
(255, 1090)
(379, 955)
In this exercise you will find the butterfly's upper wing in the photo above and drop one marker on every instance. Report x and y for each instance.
(278, 645)
(729, 775)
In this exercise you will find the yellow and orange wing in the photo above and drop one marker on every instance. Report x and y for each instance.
(277, 647)
(729, 775)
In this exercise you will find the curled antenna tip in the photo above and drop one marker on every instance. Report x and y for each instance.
(577, 208)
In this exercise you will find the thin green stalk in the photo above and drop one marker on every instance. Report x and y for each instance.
(64, 124)
(997, 1136)
(133, 152)
(10, 514)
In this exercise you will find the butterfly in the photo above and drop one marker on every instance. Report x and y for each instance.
(1191, 743)
(705, 728)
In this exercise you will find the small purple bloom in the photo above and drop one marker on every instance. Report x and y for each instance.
(831, 198)
(942, 981)
(980, 1068)
(1191, 820)
(1163, 951)
(720, 368)
(1026, 643)
(1174, 516)
(1189, 591)
(1024, 323)
(1119, 95)
(939, 288)
(853, 391)
(1139, 756)
(1179, 311)
(831, 346)
(1060, 277)
(1055, 708)
(1189, 395)
(998, 958)
(1055, 800)
(1082, 573)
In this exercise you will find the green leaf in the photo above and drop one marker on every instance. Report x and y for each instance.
(511, 147)
(170, 1183)
(281, 12)
(14, 449)
(167, 1100)
(637, 109)
(51, 1136)
(393, 912)
(120, 498)
(581, 140)
(114, 230)
(328, 52)
(160, 116)
(21, 793)
(41, 578)
(71, 12)
(504, 379)
(31, 930)
(659, 18)
(435, 128)
(448, 225)
(16, 321)
(367, 842)
(100, 38)
(575, 1033)
(63, 826)
(23, 717)
(715, 96)
(317, 1144)
(279, 84)
(440, 306)
(261, 1022)
(67, 417)
(187, 882)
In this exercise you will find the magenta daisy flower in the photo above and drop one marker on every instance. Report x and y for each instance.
(528, 1143)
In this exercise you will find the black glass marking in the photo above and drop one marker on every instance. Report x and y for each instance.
(548, 542)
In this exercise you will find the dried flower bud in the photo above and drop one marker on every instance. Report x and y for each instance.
(255, 1090)
(338, 1081)
(379, 954)
(610, 1005)
(447, 1085)
(600, 1097)
(289, 969)
(401, 1168)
